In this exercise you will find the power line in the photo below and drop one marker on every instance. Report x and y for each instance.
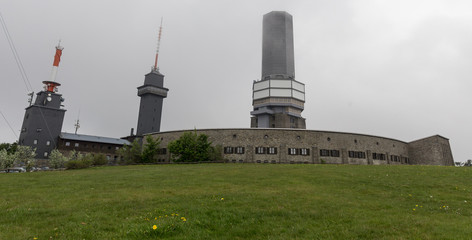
(8, 124)
(18, 61)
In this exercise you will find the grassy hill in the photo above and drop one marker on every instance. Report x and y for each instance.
(239, 201)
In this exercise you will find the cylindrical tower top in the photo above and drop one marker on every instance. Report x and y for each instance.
(277, 45)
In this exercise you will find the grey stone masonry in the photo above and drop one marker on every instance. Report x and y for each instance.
(272, 145)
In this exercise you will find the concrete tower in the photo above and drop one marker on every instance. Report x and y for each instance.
(43, 120)
(278, 99)
(152, 94)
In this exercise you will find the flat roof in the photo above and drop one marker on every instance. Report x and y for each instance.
(90, 138)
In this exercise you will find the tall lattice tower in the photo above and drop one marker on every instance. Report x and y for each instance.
(278, 99)
(152, 94)
(43, 119)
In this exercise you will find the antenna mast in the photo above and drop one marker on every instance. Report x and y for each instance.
(158, 45)
(77, 124)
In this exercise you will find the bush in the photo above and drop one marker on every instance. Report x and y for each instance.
(6, 160)
(57, 160)
(79, 164)
(130, 154)
(190, 147)
(216, 153)
(99, 160)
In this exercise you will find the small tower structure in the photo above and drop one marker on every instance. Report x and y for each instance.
(278, 99)
(43, 120)
(152, 94)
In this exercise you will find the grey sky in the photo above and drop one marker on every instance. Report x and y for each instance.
(398, 69)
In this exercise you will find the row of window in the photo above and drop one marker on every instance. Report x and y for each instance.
(395, 158)
(68, 144)
(299, 151)
(378, 156)
(355, 154)
(323, 153)
(35, 142)
(329, 153)
(267, 150)
(230, 150)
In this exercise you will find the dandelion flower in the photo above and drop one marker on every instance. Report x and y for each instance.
(154, 227)
(416, 205)
(414, 209)
(222, 199)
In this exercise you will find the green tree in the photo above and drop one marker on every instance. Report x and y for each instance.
(190, 147)
(9, 147)
(57, 159)
(151, 149)
(131, 153)
(216, 153)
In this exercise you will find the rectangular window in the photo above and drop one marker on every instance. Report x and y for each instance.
(46, 154)
(228, 150)
(354, 154)
(374, 156)
(67, 144)
(35, 141)
(334, 153)
(272, 150)
(240, 150)
(260, 150)
(304, 151)
(76, 145)
(48, 143)
(292, 151)
(324, 152)
(163, 151)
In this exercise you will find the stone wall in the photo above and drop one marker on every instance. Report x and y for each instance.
(434, 150)
(318, 147)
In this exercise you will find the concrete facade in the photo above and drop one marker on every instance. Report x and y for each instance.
(277, 45)
(316, 147)
(278, 99)
(152, 94)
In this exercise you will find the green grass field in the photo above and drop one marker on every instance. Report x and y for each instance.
(239, 201)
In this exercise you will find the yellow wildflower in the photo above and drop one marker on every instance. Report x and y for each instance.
(222, 199)
(154, 227)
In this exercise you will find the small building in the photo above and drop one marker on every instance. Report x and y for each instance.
(91, 144)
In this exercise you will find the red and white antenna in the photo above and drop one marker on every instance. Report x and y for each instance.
(52, 84)
(158, 45)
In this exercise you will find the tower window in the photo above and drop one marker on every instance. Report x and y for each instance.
(46, 154)
(48, 143)
(39, 130)
(35, 141)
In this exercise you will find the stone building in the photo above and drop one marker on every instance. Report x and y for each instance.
(257, 145)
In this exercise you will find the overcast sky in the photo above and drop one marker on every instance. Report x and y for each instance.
(397, 69)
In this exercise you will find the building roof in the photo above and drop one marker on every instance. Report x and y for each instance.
(89, 138)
